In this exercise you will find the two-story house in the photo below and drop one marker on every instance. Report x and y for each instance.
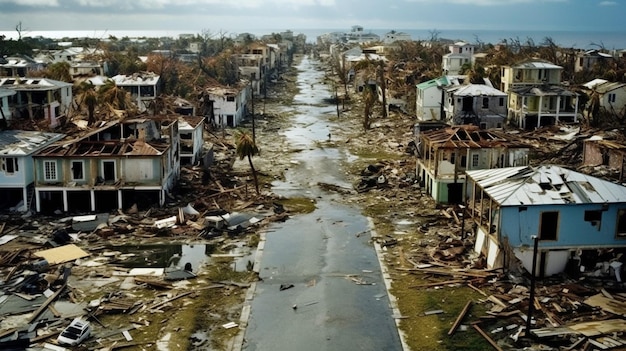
(477, 104)
(38, 98)
(461, 53)
(229, 104)
(191, 130)
(143, 87)
(16, 166)
(536, 96)
(430, 97)
(134, 161)
(566, 211)
(445, 154)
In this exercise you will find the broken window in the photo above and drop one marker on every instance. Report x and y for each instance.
(77, 170)
(501, 102)
(485, 102)
(230, 98)
(9, 165)
(594, 217)
(621, 224)
(108, 170)
(549, 225)
(49, 170)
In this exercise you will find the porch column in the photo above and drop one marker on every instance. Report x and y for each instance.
(37, 202)
(558, 108)
(576, 108)
(539, 112)
(119, 198)
(522, 113)
(65, 204)
(92, 199)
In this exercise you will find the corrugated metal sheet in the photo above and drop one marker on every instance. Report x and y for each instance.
(544, 185)
(22, 142)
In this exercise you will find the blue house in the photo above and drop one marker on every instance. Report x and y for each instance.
(567, 211)
(16, 166)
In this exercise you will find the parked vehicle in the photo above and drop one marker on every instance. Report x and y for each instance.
(75, 333)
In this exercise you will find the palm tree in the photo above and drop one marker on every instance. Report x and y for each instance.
(246, 147)
(88, 97)
(115, 97)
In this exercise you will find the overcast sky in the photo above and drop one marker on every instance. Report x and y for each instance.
(195, 16)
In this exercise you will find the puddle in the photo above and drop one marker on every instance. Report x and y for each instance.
(164, 255)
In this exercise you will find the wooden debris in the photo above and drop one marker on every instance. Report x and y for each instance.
(460, 317)
(487, 337)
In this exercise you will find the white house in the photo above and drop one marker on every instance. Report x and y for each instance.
(229, 104)
(393, 36)
(611, 95)
(430, 97)
(143, 87)
(38, 98)
(461, 53)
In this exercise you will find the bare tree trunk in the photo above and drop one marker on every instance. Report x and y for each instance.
(254, 176)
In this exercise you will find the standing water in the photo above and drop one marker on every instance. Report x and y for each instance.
(321, 286)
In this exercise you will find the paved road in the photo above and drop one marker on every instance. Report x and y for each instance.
(336, 298)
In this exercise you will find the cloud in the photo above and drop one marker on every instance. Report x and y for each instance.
(607, 3)
(485, 2)
(34, 3)
(160, 4)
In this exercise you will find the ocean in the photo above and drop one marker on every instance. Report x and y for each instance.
(570, 39)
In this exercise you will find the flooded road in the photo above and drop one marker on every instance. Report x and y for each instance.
(322, 286)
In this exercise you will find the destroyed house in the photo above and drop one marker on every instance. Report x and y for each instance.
(143, 87)
(229, 104)
(191, 139)
(19, 66)
(607, 97)
(566, 210)
(251, 67)
(445, 154)
(132, 162)
(586, 60)
(16, 166)
(611, 154)
(38, 98)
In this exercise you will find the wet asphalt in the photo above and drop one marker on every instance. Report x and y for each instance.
(322, 286)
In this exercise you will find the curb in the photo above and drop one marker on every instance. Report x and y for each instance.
(393, 302)
(238, 340)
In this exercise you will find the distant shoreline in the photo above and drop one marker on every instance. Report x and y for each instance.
(575, 39)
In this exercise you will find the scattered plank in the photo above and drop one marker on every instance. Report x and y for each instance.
(460, 317)
(487, 337)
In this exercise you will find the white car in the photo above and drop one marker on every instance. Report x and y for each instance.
(75, 333)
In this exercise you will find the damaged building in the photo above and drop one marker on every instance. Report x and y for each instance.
(573, 216)
(445, 154)
(123, 163)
